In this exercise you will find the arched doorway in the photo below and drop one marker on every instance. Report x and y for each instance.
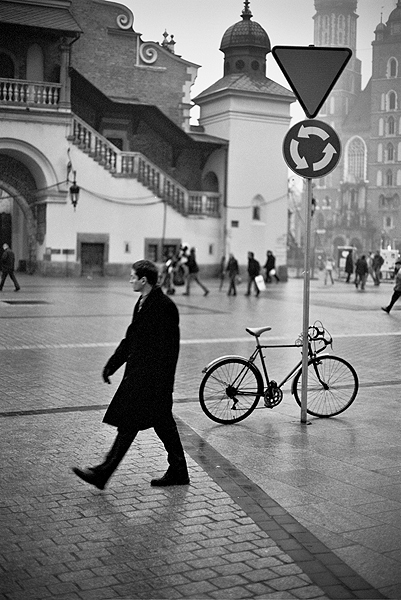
(18, 212)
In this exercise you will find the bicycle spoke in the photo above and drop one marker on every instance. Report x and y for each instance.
(229, 392)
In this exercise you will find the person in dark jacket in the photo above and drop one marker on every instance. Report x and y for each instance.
(270, 267)
(349, 266)
(233, 273)
(253, 271)
(192, 275)
(361, 272)
(144, 397)
(7, 267)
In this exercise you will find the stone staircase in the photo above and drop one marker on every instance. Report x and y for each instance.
(136, 165)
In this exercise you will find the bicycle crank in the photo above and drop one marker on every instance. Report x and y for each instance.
(273, 395)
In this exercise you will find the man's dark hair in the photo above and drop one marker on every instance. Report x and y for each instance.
(145, 268)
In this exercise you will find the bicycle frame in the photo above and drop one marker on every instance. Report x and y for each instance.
(259, 352)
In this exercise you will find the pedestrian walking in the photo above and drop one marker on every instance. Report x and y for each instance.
(397, 288)
(377, 262)
(328, 272)
(192, 275)
(7, 266)
(361, 272)
(270, 267)
(253, 271)
(233, 274)
(144, 397)
(222, 273)
(349, 266)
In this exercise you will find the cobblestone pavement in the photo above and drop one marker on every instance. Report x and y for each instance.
(275, 509)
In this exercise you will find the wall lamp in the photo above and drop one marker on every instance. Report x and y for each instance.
(74, 191)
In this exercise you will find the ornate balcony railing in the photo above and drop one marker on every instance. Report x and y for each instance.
(20, 92)
(135, 164)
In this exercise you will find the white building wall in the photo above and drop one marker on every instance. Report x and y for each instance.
(255, 127)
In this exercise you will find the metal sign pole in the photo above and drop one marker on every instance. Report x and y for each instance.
(305, 356)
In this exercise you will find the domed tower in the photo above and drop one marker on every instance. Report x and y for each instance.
(245, 45)
(252, 113)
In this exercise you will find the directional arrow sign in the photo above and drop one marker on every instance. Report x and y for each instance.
(312, 149)
(312, 72)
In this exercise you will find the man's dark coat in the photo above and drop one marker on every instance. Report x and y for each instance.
(7, 261)
(150, 353)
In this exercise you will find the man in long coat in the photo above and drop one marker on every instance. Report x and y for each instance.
(7, 264)
(144, 397)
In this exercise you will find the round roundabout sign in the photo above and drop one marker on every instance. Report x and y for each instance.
(312, 149)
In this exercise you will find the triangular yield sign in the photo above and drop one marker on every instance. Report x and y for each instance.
(312, 72)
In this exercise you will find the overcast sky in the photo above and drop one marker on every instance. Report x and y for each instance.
(199, 25)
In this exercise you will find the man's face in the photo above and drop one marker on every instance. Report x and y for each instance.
(137, 284)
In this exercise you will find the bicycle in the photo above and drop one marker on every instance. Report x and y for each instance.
(233, 385)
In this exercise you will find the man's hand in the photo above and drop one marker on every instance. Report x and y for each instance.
(106, 374)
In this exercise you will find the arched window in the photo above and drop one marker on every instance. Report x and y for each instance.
(356, 159)
(392, 68)
(257, 208)
(7, 70)
(379, 178)
(392, 101)
(34, 63)
(391, 126)
(326, 31)
(389, 178)
(341, 30)
(379, 152)
(210, 183)
(390, 153)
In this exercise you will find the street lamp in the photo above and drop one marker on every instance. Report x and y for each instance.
(74, 191)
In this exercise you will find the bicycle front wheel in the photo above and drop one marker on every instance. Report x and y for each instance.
(332, 386)
(230, 390)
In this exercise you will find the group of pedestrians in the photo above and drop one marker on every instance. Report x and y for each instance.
(364, 266)
(255, 279)
(182, 269)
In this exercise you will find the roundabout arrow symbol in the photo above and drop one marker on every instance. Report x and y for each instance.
(306, 132)
(300, 162)
(328, 152)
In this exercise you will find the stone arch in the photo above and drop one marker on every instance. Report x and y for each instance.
(30, 221)
(25, 176)
(210, 182)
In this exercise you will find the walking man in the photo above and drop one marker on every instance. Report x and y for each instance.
(233, 273)
(361, 272)
(253, 271)
(397, 288)
(193, 271)
(144, 397)
(7, 267)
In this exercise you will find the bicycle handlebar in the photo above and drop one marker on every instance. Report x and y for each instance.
(317, 334)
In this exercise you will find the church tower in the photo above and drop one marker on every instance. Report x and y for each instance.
(385, 145)
(336, 25)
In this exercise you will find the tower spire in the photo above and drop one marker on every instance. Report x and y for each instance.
(246, 13)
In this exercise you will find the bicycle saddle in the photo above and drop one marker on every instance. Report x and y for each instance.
(257, 331)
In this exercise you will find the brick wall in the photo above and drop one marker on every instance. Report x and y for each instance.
(107, 56)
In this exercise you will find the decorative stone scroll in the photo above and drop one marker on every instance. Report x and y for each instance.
(125, 21)
(148, 53)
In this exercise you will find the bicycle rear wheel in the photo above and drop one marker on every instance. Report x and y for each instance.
(332, 386)
(230, 390)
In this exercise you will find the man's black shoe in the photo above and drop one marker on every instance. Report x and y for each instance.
(171, 479)
(91, 477)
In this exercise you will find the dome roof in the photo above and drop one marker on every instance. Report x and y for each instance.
(395, 15)
(245, 33)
